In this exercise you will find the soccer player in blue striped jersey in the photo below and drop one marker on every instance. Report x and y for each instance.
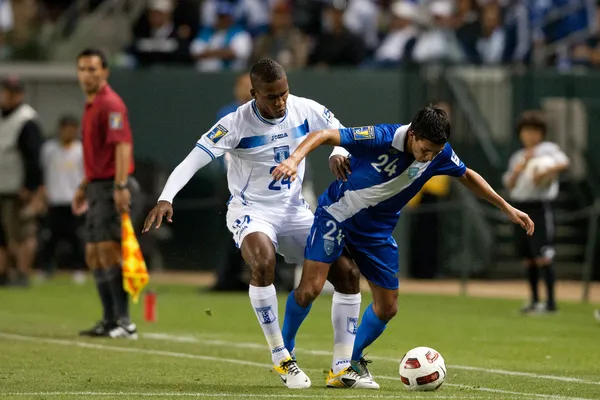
(389, 164)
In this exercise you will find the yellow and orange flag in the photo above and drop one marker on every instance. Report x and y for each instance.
(135, 274)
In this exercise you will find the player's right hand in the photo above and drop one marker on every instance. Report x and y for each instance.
(340, 166)
(79, 205)
(288, 167)
(163, 209)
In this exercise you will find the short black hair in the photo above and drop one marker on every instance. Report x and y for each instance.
(431, 123)
(90, 52)
(532, 119)
(68, 119)
(267, 71)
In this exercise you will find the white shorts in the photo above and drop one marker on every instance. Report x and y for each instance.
(287, 229)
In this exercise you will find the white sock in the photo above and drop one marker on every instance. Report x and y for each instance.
(264, 302)
(345, 310)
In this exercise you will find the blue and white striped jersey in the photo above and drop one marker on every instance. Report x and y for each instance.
(383, 179)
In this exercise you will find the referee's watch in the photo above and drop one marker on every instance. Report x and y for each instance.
(120, 185)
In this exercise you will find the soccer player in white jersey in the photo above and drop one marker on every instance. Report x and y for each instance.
(267, 215)
(389, 165)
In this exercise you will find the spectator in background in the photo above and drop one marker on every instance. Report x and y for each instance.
(253, 15)
(336, 46)
(307, 15)
(401, 37)
(362, 19)
(284, 42)
(587, 53)
(20, 175)
(492, 43)
(533, 189)
(6, 25)
(439, 42)
(62, 161)
(467, 28)
(157, 39)
(225, 46)
(519, 37)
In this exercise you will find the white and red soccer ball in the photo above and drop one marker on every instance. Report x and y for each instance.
(422, 369)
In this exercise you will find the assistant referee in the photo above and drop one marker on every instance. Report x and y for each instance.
(106, 191)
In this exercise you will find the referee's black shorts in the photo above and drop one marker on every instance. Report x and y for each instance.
(541, 243)
(102, 220)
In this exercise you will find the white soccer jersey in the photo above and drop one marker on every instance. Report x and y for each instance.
(256, 145)
(525, 189)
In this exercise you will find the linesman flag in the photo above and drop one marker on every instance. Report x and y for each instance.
(135, 274)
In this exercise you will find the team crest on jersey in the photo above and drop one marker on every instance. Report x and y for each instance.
(115, 120)
(217, 133)
(281, 153)
(328, 246)
(412, 172)
(364, 133)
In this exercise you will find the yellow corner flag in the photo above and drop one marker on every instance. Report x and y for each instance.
(135, 274)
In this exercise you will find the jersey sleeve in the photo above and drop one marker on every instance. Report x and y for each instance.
(115, 118)
(321, 118)
(450, 164)
(361, 140)
(221, 138)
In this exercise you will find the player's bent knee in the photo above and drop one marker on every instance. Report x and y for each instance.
(306, 294)
(345, 276)
(387, 311)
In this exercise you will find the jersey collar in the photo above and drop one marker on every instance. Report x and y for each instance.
(268, 121)
(400, 137)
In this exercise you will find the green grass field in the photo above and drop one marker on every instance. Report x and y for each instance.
(491, 352)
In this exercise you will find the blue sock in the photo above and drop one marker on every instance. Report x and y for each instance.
(294, 316)
(370, 328)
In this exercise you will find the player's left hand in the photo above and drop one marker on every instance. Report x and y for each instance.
(340, 166)
(288, 167)
(122, 198)
(520, 218)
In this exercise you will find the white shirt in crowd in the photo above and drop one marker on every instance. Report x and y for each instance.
(63, 170)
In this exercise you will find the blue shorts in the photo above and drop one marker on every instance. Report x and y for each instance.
(376, 258)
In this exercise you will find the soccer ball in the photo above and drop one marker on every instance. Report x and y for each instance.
(540, 165)
(422, 369)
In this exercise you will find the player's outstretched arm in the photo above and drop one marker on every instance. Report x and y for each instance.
(314, 139)
(476, 184)
(180, 176)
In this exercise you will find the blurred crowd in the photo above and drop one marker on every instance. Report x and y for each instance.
(218, 35)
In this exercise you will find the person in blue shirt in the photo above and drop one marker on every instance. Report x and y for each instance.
(355, 218)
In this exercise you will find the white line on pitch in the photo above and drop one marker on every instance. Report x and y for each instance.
(240, 395)
(64, 342)
(246, 345)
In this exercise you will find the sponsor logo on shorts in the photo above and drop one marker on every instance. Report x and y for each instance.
(328, 246)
